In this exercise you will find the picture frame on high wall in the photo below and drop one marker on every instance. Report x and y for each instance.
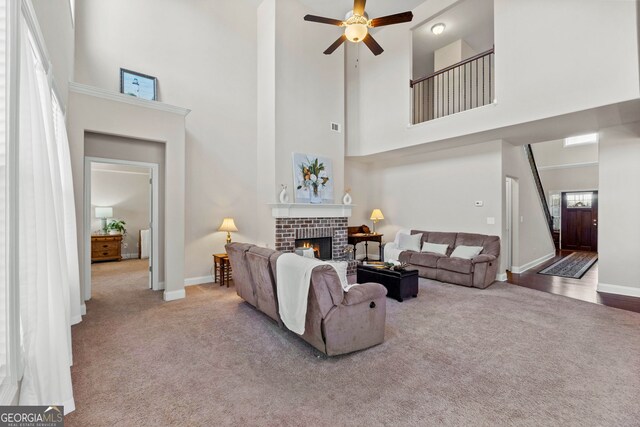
(313, 179)
(138, 85)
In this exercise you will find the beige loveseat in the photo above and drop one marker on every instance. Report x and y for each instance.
(337, 322)
(479, 271)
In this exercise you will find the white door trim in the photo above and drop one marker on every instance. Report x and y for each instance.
(509, 224)
(155, 209)
(512, 216)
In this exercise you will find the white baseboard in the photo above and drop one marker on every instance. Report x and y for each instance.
(83, 309)
(501, 277)
(174, 295)
(534, 263)
(629, 291)
(191, 281)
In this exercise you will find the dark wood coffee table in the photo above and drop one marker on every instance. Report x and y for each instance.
(399, 284)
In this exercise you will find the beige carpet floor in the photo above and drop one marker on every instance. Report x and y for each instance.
(505, 355)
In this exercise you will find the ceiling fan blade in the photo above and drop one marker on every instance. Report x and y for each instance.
(358, 7)
(323, 20)
(335, 45)
(392, 19)
(373, 45)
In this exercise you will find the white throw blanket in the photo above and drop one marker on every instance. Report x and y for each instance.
(293, 274)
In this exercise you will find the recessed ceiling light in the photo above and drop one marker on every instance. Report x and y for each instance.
(438, 29)
(590, 138)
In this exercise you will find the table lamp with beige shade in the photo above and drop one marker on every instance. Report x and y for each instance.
(376, 216)
(228, 225)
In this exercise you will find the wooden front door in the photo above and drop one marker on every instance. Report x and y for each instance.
(579, 229)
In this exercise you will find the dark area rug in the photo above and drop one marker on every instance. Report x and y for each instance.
(573, 266)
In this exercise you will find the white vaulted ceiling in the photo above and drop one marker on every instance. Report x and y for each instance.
(375, 8)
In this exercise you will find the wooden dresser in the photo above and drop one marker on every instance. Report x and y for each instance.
(106, 247)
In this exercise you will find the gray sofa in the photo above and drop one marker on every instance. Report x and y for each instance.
(337, 322)
(478, 272)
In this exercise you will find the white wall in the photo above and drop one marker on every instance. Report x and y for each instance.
(266, 144)
(437, 191)
(618, 207)
(120, 115)
(352, 95)
(120, 148)
(533, 242)
(554, 153)
(569, 179)
(431, 191)
(361, 177)
(547, 53)
(309, 92)
(204, 55)
(451, 54)
(300, 92)
(54, 17)
(128, 194)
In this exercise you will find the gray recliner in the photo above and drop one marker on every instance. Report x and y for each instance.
(337, 322)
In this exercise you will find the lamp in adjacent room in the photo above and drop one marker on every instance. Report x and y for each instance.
(228, 225)
(104, 213)
(376, 216)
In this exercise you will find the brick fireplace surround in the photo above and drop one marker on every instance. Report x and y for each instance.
(290, 229)
(307, 221)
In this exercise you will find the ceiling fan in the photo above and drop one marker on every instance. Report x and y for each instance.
(357, 24)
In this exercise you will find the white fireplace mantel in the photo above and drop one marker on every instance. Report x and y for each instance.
(307, 210)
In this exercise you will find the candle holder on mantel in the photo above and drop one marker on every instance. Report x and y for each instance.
(284, 196)
(346, 200)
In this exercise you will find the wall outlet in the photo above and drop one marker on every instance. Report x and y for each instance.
(491, 220)
(479, 204)
(125, 245)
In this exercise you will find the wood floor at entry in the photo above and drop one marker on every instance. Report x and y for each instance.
(584, 289)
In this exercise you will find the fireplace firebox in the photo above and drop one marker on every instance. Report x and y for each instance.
(322, 246)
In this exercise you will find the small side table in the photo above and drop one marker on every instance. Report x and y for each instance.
(354, 239)
(222, 269)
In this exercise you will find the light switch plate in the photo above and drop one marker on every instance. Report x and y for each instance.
(479, 203)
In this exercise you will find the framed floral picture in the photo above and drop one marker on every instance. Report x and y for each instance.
(312, 178)
(138, 85)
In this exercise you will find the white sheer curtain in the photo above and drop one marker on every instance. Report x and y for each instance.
(49, 292)
(4, 321)
(69, 211)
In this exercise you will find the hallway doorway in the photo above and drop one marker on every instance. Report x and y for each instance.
(121, 214)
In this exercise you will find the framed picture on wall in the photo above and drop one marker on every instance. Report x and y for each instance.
(137, 84)
(313, 178)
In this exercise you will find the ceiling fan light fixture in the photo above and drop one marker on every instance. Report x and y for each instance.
(438, 29)
(356, 32)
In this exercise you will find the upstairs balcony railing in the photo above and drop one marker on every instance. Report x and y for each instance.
(459, 87)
